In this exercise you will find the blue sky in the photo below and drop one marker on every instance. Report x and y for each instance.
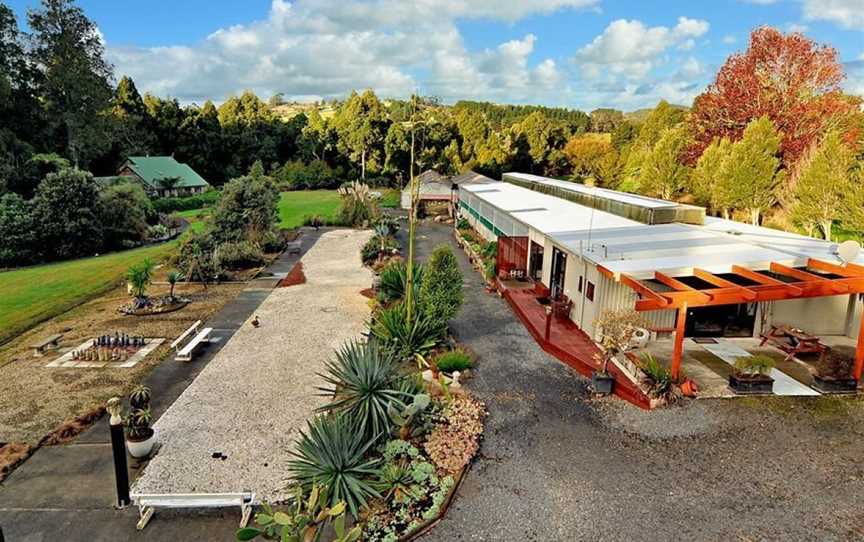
(574, 53)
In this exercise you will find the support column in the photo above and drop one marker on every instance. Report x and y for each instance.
(859, 351)
(678, 352)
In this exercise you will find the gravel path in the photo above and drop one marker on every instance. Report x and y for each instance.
(557, 465)
(251, 399)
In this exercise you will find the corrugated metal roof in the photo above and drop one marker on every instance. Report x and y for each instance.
(154, 168)
(627, 246)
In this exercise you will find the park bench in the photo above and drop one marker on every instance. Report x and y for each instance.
(293, 247)
(200, 336)
(147, 503)
(48, 343)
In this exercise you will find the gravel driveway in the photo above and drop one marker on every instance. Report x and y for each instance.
(557, 465)
(251, 399)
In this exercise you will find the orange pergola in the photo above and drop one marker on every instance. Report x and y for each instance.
(817, 279)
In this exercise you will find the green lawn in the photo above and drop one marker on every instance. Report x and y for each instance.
(196, 217)
(33, 294)
(391, 198)
(295, 206)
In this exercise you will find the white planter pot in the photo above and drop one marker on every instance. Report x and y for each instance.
(142, 448)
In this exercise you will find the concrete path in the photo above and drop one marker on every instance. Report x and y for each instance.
(248, 405)
(69, 490)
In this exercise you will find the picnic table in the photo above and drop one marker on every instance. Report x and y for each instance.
(794, 341)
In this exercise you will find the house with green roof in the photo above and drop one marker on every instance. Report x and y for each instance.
(163, 176)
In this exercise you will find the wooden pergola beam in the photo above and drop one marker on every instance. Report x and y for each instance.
(804, 276)
(746, 293)
(679, 286)
(848, 270)
(644, 291)
(765, 280)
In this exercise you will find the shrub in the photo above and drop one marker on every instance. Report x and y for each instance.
(363, 381)
(463, 224)
(125, 211)
(835, 365)
(247, 209)
(441, 291)
(615, 330)
(455, 360)
(240, 255)
(453, 443)
(407, 341)
(659, 377)
(197, 260)
(375, 246)
(157, 231)
(332, 452)
(393, 279)
(273, 242)
(303, 518)
(186, 203)
(317, 174)
(357, 206)
(66, 215)
(754, 365)
(17, 231)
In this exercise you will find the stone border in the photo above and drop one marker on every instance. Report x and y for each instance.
(66, 362)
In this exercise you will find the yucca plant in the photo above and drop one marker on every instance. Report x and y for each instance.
(174, 276)
(139, 277)
(332, 453)
(363, 380)
(393, 279)
(407, 340)
(659, 377)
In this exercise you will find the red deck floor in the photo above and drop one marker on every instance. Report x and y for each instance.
(568, 343)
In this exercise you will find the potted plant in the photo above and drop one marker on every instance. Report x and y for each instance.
(834, 374)
(615, 333)
(140, 437)
(751, 375)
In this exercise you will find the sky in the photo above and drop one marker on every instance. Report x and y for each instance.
(626, 54)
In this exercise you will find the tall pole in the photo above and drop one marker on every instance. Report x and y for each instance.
(412, 217)
(118, 448)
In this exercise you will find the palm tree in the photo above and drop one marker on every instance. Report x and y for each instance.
(174, 277)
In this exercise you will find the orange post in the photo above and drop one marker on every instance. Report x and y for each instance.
(859, 351)
(678, 352)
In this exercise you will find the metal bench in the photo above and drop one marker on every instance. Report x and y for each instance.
(147, 503)
(185, 353)
(48, 343)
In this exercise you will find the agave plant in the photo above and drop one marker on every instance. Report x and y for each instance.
(393, 279)
(363, 380)
(332, 453)
(407, 340)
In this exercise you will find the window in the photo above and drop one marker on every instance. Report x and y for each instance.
(589, 291)
(580, 285)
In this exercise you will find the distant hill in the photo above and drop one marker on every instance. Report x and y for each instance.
(639, 116)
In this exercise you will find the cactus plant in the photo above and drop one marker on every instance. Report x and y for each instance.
(139, 398)
(403, 418)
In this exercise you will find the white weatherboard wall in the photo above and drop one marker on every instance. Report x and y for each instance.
(816, 315)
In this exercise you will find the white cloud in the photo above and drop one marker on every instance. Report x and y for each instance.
(846, 13)
(631, 49)
(691, 68)
(729, 39)
(326, 48)
(796, 27)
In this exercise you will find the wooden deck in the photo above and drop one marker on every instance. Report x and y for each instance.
(567, 342)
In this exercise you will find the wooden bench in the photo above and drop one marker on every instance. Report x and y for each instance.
(147, 503)
(194, 328)
(48, 343)
(293, 247)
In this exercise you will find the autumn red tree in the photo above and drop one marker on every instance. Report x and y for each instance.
(788, 78)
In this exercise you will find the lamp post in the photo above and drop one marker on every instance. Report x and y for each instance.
(118, 448)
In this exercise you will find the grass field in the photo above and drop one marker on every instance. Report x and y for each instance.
(196, 217)
(33, 294)
(391, 198)
(295, 206)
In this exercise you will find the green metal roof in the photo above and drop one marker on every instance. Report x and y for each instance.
(154, 168)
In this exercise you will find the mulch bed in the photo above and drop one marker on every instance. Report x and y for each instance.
(72, 427)
(368, 293)
(294, 277)
(11, 455)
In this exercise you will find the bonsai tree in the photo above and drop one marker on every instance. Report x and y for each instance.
(139, 277)
(174, 277)
(755, 366)
(616, 329)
